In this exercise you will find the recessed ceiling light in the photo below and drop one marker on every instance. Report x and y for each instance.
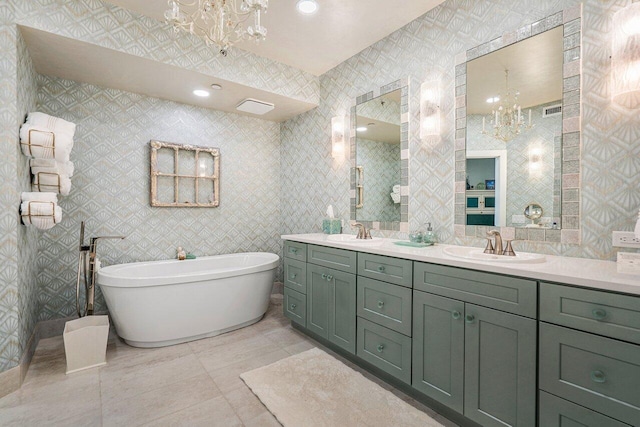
(307, 7)
(493, 99)
(201, 93)
(361, 129)
(216, 86)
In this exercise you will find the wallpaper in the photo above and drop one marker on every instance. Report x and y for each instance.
(110, 189)
(427, 48)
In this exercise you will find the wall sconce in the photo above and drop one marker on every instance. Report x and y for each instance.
(430, 109)
(625, 56)
(338, 137)
(535, 161)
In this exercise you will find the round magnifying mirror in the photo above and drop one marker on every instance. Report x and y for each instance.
(533, 211)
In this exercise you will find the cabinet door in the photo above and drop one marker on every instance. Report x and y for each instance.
(342, 309)
(318, 300)
(438, 348)
(556, 412)
(500, 368)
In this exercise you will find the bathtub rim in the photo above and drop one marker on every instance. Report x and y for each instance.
(109, 277)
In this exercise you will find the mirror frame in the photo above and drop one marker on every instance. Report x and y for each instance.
(571, 20)
(403, 224)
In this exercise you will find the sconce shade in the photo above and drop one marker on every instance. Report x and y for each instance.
(430, 109)
(625, 56)
(337, 137)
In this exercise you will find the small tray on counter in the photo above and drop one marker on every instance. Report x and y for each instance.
(412, 244)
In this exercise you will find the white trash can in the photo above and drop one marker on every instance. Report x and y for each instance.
(85, 342)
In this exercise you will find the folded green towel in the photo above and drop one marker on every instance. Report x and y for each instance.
(412, 244)
(191, 256)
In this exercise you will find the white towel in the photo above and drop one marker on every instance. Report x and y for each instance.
(39, 197)
(395, 197)
(49, 182)
(44, 215)
(396, 188)
(55, 124)
(41, 142)
(51, 165)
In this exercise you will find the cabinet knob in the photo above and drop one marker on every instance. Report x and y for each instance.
(292, 276)
(381, 268)
(380, 304)
(293, 250)
(329, 277)
(324, 276)
(598, 377)
(470, 318)
(293, 306)
(599, 313)
(380, 348)
(456, 314)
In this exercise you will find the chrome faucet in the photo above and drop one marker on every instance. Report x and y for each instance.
(88, 256)
(363, 233)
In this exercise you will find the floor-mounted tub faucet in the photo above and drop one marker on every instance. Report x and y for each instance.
(87, 268)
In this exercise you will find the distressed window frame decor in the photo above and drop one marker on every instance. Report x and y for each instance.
(571, 21)
(196, 177)
(355, 197)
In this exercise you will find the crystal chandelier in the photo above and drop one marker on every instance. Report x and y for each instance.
(220, 22)
(506, 121)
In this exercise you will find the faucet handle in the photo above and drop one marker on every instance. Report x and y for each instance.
(508, 250)
(489, 249)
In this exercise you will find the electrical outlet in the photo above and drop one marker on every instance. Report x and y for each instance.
(625, 239)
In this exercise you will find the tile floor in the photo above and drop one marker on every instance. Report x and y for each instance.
(191, 384)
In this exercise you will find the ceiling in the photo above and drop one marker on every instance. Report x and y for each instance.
(535, 70)
(316, 43)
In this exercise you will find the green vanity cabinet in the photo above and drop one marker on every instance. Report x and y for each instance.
(331, 305)
(467, 353)
(295, 275)
(295, 306)
(556, 412)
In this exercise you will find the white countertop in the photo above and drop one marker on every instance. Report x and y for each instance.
(589, 273)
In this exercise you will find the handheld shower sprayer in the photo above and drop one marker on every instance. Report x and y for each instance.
(87, 270)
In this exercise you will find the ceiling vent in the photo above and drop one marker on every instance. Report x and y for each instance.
(552, 110)
(254, 106)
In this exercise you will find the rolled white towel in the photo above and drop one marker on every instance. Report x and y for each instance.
(42, 215)
(55, 124)
(51, 165)
(39, 197)
(395, 197)
(39, 142)
(51, 182)
(396, 188)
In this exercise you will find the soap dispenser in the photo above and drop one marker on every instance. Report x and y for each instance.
(429, 236)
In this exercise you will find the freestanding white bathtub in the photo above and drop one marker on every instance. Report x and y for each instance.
(160, 303)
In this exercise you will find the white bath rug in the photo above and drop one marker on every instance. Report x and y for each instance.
(314, 389)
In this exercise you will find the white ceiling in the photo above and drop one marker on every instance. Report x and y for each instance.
(535, 70)
(317, 43)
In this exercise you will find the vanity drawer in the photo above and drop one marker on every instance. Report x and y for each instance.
(385, 349)
(340, 259)
(392, 270)
(385, 304)
(295, 250)
(556, 412)
(505, 293)
(612, 315)
(295, 306)
(295, 275)
(596, 372)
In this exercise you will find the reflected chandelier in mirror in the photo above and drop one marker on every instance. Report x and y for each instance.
(543, 149)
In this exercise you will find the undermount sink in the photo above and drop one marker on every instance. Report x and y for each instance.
(478, 254)
(351, 239)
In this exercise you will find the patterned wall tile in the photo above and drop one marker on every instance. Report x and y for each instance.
(111, 185)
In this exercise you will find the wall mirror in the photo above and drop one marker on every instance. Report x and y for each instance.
(184, 175)
(518, 131)
(379, 140)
